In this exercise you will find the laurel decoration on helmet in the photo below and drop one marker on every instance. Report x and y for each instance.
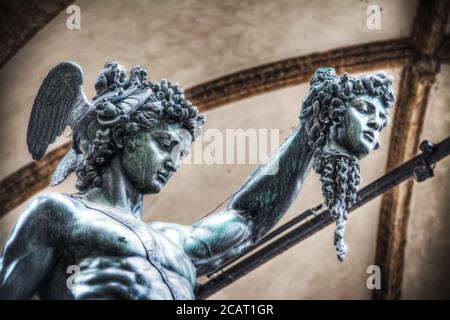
(118, 96)
(125, 105)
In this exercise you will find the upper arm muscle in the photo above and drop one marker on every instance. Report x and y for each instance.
(212, 240)
(29, 251)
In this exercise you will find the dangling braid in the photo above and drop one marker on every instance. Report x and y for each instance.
(340, 177)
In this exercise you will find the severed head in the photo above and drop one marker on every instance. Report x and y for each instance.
(344, 116)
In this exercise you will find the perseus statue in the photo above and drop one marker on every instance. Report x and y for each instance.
(128, 142)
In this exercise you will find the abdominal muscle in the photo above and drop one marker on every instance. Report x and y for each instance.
(113, 278)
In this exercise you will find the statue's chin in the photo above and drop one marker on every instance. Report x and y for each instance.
(152, 188)
(363, 151)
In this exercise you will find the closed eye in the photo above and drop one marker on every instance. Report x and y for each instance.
(363, 110)
(362, 107)
(164, 145)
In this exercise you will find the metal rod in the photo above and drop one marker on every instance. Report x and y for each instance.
(271, 235)
(428, 157)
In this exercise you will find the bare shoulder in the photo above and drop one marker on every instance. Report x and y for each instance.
(56, 205)
(45, 214)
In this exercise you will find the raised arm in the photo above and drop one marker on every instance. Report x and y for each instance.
(257, 206)
(28, 254)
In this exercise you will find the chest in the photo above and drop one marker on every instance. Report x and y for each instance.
(96, 234)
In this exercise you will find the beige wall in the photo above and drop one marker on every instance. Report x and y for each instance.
(427, 255)
(187, 41)
(196, 41)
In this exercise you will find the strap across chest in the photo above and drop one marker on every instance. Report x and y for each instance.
(147, 240)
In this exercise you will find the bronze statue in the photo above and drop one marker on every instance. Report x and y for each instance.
(128, 142)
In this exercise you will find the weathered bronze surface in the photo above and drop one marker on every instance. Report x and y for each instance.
(128, 142)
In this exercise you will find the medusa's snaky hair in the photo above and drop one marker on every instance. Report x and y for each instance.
(323, 108)
(167, 104)
(340, 177)
(325, 104)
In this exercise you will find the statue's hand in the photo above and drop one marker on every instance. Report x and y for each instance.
(111, 278)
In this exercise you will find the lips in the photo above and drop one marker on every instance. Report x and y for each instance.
(369, 136)
(163, 176)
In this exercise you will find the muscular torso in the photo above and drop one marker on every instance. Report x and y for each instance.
(56, 232)
(103, 249)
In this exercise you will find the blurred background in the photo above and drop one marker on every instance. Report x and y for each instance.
(247, 64)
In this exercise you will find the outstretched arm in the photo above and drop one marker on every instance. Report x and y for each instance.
(252, 211)
(28, 254)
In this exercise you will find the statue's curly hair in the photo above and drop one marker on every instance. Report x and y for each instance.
(167, 104)
(323, 108)
(340, 177)
(328, 95)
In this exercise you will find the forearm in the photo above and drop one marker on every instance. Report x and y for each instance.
(270, 190)
(253, 210)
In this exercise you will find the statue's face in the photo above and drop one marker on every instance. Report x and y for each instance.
(359, 133)
(156, 157)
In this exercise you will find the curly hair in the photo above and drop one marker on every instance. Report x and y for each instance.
(166, 104)
(340, 177)
(323, 108)
(329, 95)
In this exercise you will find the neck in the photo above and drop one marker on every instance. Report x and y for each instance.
(116, 191)
(335, 146)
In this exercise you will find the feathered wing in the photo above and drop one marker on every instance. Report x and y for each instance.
(60, 102)
(66, 166)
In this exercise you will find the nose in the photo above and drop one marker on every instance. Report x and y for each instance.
(171, 166)
(375, 123)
